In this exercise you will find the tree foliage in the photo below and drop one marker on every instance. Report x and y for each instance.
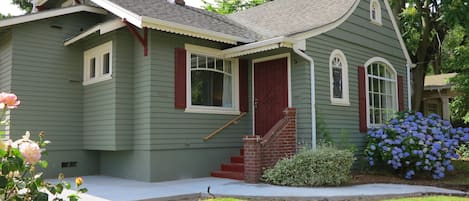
(25, 5)
(231, 6)
(425, 25)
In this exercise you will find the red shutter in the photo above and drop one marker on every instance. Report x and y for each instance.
(400, 93)
(362, 99)
(243, 86)
(180, 63)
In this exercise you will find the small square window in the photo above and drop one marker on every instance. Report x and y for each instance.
(97, 64)
(106, 63)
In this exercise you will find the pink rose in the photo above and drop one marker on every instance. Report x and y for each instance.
(9, 100)
(30, 151)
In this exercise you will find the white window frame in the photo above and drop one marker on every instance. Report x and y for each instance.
(98, 53)
(394, 93)
(345, 100)
(378, 16)
(211, 52)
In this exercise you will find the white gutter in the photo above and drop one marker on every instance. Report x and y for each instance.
(296, 49)
(409, 92)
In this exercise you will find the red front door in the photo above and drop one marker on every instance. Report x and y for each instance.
(270, 93)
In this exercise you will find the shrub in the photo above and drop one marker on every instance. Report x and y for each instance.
(411, 143)
(464, 150)
(324, 166)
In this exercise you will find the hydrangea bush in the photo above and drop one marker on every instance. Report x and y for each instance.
(19, 161)
(411, 143)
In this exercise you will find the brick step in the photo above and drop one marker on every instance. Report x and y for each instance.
(237, 159)
(233, 167)
(229, 175)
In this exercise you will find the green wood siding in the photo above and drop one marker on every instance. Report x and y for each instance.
(108, 105)
(46, 76)
(173, 128)
(360, 40)
(5, 61)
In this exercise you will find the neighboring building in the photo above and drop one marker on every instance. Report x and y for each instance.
(437, 95)
(136, 89)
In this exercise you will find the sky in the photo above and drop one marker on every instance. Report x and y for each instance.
(7, 8)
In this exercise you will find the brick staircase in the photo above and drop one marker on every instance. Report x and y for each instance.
(232, 170)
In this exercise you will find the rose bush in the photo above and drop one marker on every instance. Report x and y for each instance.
(19, 161)
(411, 143)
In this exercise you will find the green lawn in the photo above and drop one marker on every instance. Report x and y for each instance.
(432, 198)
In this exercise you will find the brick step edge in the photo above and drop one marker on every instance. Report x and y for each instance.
(233, 167)
(237, 159)
(228, 175)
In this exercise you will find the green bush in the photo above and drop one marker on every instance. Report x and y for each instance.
(464, 150)
(326, 165)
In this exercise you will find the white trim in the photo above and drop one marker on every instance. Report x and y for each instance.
(396, 98)
(296, 49)
(398, 32)
(378, 20)
(49, 14)
(103, 28)
(97, 52)
(121, 12)
(269, 58)
(191, 31)
(345, 100)
(39, 2)
(211, 52)
(409, 92)
(327, 27)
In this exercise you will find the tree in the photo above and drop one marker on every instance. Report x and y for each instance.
(231, 6)
(25, 5)
(425, 25)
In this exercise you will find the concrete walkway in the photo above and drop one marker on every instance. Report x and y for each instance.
(103, 188)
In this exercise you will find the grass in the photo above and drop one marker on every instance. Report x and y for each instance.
(432, 198)
(223, 199)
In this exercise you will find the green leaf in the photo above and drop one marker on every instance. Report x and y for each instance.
(3, 182)
(40, 196)
(44, 164)
(73, 197)
(83, 190)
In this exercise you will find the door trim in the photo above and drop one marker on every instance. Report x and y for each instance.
(263, 59)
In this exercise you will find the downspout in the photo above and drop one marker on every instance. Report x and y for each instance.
(409, 92)
(296, 49)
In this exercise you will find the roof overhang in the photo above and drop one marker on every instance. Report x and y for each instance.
(49, 14)
(102, 28)
(162, 25)
(261, 46)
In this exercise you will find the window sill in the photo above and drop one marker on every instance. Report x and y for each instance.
(340, 103)
(212, 110)
(98, 79)
(375, 22)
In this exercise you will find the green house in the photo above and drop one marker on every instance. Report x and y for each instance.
(157, 90)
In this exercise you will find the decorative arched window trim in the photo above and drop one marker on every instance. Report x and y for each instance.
(395, 97)
(375, 12)
(345, 100)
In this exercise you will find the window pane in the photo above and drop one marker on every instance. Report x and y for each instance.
(202, 61)
(193, 61)
(219, 64)
(337, 82)
(93, 67)
(106, 64)
(210, 62)
(228, 67)
(211, 89)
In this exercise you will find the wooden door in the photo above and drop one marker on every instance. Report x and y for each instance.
(270, 93)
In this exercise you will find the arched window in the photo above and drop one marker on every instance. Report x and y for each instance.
(382, 91)
(375, 12)
(338, 70)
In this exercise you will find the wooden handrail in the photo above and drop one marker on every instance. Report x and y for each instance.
(228, 124)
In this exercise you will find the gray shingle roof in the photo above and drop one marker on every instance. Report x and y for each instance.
(285, 17)
(186, 15)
